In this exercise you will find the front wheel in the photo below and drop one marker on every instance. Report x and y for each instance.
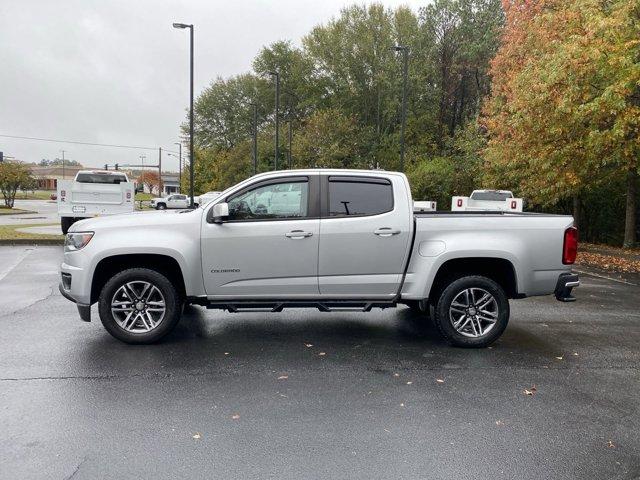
(139, 306)
(472, 311)
(161, 206)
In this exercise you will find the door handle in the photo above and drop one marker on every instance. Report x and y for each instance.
(296, 234)
(385, 232)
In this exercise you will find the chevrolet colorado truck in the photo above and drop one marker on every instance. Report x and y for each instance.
(336, 240)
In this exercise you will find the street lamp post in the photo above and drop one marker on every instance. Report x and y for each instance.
(277, 75)
(191, 157)
(254, 134)
(405, 70)
(291, 116)
(179, 164)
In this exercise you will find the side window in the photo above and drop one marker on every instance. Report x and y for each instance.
(274, 201)
(357, 197)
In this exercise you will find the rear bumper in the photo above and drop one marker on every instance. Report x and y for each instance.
(566, 283)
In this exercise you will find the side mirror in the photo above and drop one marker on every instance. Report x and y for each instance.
(220, 212)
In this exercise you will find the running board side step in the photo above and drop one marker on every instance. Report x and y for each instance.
(278, 306)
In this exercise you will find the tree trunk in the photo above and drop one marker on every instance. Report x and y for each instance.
(577, 212)
(630, 217)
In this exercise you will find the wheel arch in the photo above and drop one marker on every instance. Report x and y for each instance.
(110, 265)
(500, 270)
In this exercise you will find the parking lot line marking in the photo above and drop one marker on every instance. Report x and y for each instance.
(17, 260)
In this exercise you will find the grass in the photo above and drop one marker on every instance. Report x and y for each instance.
(10, 232)
(12, 211)
(144, 197)
(35, 195)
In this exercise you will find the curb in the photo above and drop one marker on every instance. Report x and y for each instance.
(32, 241)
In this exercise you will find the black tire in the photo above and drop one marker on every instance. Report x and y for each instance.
(65, 224)
(444, 323)
(161, 206)
(172, 299)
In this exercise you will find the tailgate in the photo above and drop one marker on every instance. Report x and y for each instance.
(97, 193)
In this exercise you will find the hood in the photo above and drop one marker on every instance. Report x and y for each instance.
(138, 220)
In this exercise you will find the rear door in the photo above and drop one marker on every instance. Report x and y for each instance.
(365, 233)
(268, 248)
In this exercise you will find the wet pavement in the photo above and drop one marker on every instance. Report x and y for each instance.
(304, 394)
(44, 211)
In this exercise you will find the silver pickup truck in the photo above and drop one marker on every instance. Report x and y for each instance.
(336, 240)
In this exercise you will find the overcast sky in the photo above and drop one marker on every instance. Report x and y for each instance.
(115, 71)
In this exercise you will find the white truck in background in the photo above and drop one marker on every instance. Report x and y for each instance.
(487, 200)
(94, 193)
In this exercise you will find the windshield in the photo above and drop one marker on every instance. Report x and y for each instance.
(491, 196)
(100, 178)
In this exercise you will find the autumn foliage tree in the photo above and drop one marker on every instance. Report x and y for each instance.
(13, 175)
(151, 180)
(564, 113)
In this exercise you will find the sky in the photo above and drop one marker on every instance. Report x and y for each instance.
(116, 72)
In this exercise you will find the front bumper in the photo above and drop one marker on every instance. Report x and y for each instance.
(566, 283)
(83, 310)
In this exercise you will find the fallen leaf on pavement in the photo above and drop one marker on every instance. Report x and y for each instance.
(308, 345)
(499, 422)
(439, 380)
(530, 391)
(559, 358)
(197, 436)
(610, 444)
(409, 383)
(402, 404)
(322, 354)
(396, 374)
(226, 353)
(235, 416)
(283, 377)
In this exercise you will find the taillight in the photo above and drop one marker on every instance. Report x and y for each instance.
(513, 204)
(570, 246)
(459, 202)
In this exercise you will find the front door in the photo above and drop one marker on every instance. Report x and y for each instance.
(269, 246)
(365, 230)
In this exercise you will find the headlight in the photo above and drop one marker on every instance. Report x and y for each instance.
(76, 240)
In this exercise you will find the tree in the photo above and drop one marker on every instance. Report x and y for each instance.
(151, 179)
(13, 175)
(564, 113)
(330, 139)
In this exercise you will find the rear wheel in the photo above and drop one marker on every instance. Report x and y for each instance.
(472, 311)
(139, 306)
(65, 224)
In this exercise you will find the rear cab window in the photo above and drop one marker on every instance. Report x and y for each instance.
(107, 178)
(351, 196)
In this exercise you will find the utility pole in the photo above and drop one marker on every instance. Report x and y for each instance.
(254, 134)
(160, 170)
(62, 164)
(405, 73)
(276, 74)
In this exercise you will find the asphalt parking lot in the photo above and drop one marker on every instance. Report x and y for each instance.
(304, 394)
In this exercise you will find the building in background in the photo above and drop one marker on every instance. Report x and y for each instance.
(47, 177)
